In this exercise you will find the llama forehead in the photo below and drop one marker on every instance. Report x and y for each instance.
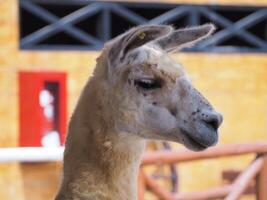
(156, 60)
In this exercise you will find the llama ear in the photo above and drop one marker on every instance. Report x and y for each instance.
(133, 39)
(186, 37)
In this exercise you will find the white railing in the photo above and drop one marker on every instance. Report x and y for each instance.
(31, 154)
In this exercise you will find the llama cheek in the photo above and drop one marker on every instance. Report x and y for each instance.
(159, 119)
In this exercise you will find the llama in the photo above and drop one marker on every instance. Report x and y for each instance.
(137, 92)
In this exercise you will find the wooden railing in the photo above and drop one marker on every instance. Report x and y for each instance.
(257, 169)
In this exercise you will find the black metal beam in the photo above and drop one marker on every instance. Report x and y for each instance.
(173, 14)
(237, 28)
(132, 13)
(58, 24)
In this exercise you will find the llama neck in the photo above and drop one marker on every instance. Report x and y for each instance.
(99, 163)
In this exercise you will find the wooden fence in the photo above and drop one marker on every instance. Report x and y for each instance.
(256, 169)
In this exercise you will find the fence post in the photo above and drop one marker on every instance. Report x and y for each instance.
(141, 185)
(262, 180)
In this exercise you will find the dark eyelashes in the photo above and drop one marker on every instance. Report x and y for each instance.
(147, 83)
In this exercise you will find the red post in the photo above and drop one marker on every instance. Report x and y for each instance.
(141, 185)
(244, 179)
(262, 181)
(157, 190)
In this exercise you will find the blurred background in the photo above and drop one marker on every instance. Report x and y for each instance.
(48, 51)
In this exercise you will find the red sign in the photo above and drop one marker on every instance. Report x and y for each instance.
(42, 108)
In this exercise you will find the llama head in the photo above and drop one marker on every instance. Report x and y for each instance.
(150, 95)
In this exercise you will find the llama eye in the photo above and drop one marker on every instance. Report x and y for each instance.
(147, 83)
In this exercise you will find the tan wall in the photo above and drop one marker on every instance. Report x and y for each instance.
(236, 85)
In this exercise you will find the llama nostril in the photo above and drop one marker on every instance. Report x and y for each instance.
(173, 111)
(213, 122)
(212, 119)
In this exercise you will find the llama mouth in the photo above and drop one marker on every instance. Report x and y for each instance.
(192, 143)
